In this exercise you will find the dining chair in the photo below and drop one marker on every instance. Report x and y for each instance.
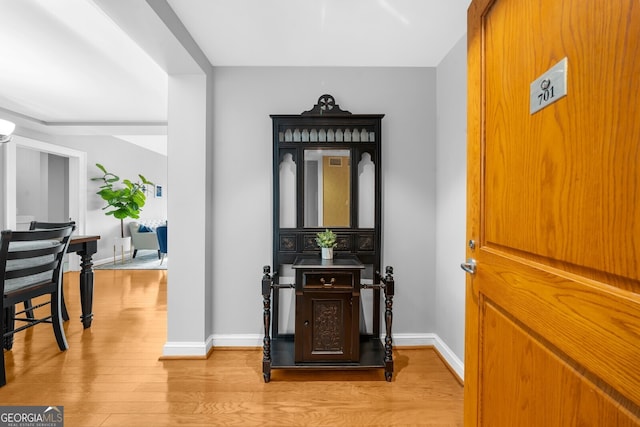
(39, 225)
(31, 267)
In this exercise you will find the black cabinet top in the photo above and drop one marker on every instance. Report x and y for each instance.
(339, 262)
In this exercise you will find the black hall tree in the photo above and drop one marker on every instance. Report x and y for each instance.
(327, 175)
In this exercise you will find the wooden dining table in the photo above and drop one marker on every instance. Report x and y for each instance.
(85, 246)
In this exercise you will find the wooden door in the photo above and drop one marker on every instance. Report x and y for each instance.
(553, 310)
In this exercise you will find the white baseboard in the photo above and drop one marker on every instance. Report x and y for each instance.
(433, 340)
(199, 349)
(237, 340)
(450, 358)
(74, 262)
(102, 261)
(185, 349)
(409, 340)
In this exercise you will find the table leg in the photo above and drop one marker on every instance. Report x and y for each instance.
(86, 289)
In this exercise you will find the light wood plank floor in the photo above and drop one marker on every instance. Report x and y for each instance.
(112, 376)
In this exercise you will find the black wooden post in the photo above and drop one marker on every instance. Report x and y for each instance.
(267, 282)
(389, 289)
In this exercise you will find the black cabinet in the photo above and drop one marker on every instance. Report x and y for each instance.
(327, 174)
(327, 309)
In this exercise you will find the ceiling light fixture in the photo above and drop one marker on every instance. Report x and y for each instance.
(6, 129)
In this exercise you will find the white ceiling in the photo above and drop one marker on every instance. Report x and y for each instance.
(371, 33)
(66, 63)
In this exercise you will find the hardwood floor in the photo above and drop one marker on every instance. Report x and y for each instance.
(112, 376)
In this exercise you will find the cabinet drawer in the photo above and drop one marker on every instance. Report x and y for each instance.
(327, 280)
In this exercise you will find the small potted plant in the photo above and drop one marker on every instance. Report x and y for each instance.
(326, 240)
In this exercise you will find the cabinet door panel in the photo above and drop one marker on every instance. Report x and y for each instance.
(327, 324)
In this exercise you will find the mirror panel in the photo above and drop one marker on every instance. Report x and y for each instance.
(366, 192)
(327, 188)
(287, 192)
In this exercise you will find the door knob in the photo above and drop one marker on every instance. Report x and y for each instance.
(469, 266)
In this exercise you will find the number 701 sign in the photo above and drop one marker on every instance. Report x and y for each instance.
(549, 87)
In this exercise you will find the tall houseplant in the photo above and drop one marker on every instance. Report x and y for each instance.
(124, 199)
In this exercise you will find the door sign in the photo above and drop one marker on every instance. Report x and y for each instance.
(549, 87)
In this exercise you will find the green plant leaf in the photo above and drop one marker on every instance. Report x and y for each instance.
(122, 202)
(145, 180)
(326, 239)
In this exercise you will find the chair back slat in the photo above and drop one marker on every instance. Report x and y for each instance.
(31, 271)
(31, 253)
(39, 234)
(37, 225)
(48, 247)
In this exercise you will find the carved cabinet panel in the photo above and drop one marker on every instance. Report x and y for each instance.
(326, 323)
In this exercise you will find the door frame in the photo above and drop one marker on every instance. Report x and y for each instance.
(77, 179)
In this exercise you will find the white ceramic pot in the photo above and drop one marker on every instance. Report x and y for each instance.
(122, 243)
(327, 253)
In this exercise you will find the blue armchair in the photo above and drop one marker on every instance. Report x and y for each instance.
(161, 232)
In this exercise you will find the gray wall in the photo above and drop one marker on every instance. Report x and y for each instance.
(29, 191)
(42, 186)
(58, 183)
(243, 99)
(451, 197)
